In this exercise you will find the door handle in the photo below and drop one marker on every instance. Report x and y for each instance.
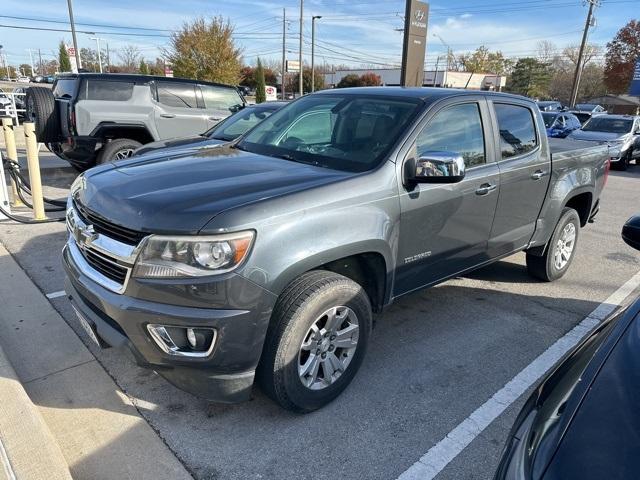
(485, 189)
(167, 115)
(538, 174)
(215, 119)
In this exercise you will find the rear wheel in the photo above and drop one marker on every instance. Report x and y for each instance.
(119, 149)
(559, 253)
(41, 109)
(317, 341)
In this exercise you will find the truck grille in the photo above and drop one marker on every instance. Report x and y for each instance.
(105, 266)
(105, 227)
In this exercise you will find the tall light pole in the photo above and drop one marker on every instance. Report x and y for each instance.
(284, 51)
(97, 39)
(578, 73)
(73, 34)
(33, 70)
(300, 55)
(313, 51)
(444, 80)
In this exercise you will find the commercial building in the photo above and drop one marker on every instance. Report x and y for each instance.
(432, 78)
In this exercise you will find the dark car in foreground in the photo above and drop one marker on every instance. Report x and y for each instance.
(560, 124)
(583, 420)
(620, 132)
(265, 258)
(227, 130)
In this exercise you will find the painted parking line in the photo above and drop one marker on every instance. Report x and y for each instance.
(443, 452)
(53, 295)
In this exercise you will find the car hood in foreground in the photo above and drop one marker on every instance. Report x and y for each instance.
(182, 194)
(177, 145)
(597, 136)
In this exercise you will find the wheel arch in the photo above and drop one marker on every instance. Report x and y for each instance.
(113, 131)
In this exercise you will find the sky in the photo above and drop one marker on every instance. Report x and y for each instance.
(352, 32)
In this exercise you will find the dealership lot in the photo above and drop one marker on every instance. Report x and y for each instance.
(435, 357)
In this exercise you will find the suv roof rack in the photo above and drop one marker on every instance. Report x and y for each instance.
(138, 78)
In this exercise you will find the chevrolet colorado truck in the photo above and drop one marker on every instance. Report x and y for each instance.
(264, 259)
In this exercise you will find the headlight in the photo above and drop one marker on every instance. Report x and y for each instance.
(192, 256)
(78, 184)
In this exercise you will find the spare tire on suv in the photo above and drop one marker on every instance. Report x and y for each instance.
(41, 109)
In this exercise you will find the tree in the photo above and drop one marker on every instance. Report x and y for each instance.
(89, 59)
(370, 79)
(157, 68)
(350, 80)
(261, 95)
(143, 68)
(248, 76)
(530, 77)
(622, 53)
(547, 51)
(129, 56)
(205, 50)
(485, 61)
(26, 68)
(63, 58)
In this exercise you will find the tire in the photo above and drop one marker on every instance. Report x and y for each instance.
(41, 109)
(547, 267)
(119, 149)
(300, 309)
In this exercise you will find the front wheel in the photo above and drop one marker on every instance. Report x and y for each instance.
(316, 342)
(559, 253)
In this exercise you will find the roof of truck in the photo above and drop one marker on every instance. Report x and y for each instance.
(423, 93)
(133, 77)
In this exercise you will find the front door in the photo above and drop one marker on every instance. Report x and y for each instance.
(219, 103)
(445, 228)
(176, 110)
(525, 170)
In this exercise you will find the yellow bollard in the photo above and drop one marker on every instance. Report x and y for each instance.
(34, 170)
(12, 154)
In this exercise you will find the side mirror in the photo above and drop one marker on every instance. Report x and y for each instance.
(436, 167)
(631, 232)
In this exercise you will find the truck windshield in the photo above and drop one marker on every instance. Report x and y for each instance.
(235, 125)
(608, 125)
(549, 118)
(343, 132)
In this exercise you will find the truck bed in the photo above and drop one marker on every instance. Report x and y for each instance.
(562, 148)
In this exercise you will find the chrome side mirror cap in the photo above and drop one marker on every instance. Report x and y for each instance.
(437, 167)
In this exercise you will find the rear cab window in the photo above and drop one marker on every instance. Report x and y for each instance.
(65, 88)
(176, 94)
(517, 130)
(221, 98)
(105, 90)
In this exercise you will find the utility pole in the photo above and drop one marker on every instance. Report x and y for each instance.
(284, 51)
(300, 56)
(99, 57)
(313, 51)
(40, 69)
(73, 34)
(108, 60)
(578, 73)
(446, 73)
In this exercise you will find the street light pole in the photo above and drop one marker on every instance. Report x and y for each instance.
(284, 51)
(73, 34)
(97, 39)
(446, 73)
(301, 87)
(313, 51)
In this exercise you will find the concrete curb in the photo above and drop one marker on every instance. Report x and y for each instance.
(28, 450)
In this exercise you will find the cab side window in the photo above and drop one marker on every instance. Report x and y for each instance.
(517, 130)
(179, 95)
(455, 129)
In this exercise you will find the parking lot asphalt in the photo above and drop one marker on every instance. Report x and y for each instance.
(435, 356)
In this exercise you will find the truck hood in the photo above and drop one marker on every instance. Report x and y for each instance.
(182, 194)
(162, 148)
(598, 136)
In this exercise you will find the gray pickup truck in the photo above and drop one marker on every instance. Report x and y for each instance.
(264, 259)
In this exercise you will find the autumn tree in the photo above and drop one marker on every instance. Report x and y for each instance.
(63, 58)
(157, 68)
(143, 68)
(370, 79)
(261, 94)
(485, 61)
(248, 76)
(530, 77)
(129, 56)
(622, 53)
(204, 49)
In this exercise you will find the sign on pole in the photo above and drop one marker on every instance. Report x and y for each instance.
(271, 94)
(634, 88)
(415, 43)
(293, 66)
(71, 52)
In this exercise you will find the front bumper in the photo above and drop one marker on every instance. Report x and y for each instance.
(236, 308)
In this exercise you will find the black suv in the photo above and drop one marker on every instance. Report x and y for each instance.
(91, 118)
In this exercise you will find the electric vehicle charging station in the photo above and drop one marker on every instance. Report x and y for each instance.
(4, 192)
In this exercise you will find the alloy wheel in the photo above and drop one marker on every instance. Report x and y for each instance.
(564, 246)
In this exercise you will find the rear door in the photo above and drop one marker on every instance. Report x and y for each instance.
(177, 113)
(525, 172)
(219, 102)
(445, 228)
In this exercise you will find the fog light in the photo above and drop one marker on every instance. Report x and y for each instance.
(194, 342)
